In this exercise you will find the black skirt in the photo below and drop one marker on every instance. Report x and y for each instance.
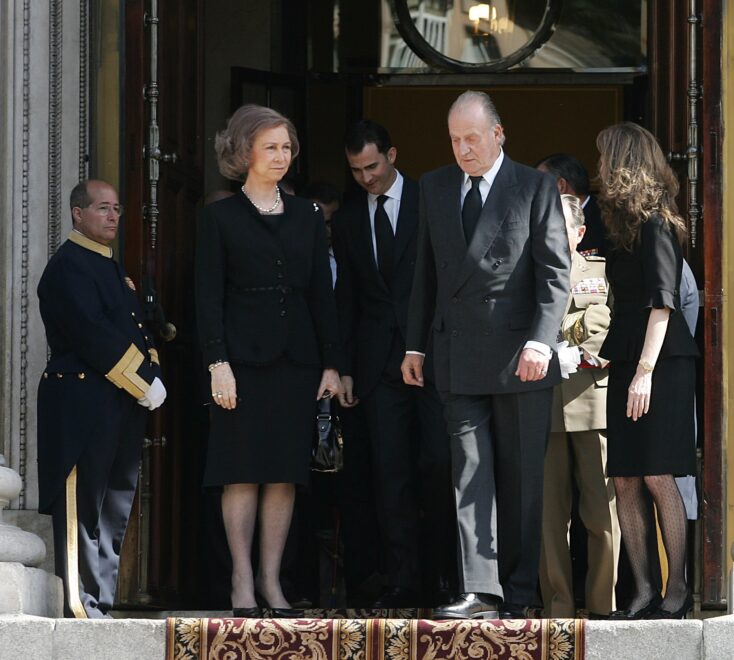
(663, 440)
(268, 437)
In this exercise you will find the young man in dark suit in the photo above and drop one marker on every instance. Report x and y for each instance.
(490, 288)
(375, 241)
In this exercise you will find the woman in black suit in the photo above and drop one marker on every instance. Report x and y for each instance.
(268, 328)
(651, 378)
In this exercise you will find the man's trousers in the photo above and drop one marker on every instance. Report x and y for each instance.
(579, 457)
(497, 450)
(90, 516)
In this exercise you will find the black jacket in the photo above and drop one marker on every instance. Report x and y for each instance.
(102, 357)
(370, 313)
(648, 277)
(595, 242)
(263, 285)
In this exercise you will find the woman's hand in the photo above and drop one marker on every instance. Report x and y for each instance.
(638, 394)
(224, 387)
(329, 382)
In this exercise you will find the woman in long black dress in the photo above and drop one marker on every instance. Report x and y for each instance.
(268, 330)
(651, 378)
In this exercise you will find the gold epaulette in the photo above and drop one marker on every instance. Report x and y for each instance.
(125, 373)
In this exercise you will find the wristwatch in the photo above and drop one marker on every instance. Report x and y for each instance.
(646, 366)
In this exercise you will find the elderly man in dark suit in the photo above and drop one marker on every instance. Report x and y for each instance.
(375, 242)
(490, 288)
(102, 375)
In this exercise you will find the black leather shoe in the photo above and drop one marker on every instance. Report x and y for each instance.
(397, 597)
(247, 613)
(513, 611)
(470, 606)
(286, 613)
(642, 613)
(680, 613)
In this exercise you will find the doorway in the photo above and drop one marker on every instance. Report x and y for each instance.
(211, 57)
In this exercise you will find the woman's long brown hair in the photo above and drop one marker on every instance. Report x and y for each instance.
(636, 183)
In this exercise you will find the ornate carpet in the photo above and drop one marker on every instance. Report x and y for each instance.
(373, 639)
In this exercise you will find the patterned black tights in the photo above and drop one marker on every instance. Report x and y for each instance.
(637, 524)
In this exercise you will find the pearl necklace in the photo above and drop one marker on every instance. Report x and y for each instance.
(260, 208)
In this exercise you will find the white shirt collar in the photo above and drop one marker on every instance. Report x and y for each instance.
(491, 173)
(394, 192)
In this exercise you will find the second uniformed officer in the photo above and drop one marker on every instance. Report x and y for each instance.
(578, 442)
(102, 376)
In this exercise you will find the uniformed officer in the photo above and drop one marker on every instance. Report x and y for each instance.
(577, 443)
(102, 376)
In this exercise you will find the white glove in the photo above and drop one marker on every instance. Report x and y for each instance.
(155, 395)
(569, 358)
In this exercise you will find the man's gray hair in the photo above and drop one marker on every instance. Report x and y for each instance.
(572, 211)
(482, 99)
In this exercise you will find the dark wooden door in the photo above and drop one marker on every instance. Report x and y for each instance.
(160, 558)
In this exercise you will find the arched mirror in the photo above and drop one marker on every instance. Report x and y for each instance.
(465, 35)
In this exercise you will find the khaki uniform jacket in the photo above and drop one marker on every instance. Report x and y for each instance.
(580, 402)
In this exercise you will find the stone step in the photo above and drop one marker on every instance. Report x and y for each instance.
(37, 638)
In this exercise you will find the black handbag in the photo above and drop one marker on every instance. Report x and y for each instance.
(327, 454)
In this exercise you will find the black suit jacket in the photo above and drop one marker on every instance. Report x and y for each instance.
(595, 239)
(370, 313)
(102, 359)
(482, 303)
(263, 285)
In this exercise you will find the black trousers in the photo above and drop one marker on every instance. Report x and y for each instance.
(412, 471)
(90, 516)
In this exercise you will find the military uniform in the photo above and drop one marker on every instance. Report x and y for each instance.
(90, 426)
(577, 450)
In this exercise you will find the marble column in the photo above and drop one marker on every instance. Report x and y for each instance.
(43, 111)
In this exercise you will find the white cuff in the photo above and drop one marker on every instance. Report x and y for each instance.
(415, 353)
(543, 349)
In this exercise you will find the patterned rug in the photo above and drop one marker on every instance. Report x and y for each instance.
(373, 639)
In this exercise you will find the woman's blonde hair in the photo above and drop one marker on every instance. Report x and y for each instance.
(636, 183)
(234, 144)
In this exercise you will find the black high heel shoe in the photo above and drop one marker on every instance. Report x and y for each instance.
(279, 612)
(680, 613)
(247, 612)
(643, 613)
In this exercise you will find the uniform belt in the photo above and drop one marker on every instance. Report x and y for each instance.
(280, 288)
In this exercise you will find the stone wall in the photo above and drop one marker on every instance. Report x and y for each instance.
(43, 84)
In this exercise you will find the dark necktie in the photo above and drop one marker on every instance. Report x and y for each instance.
(385, 239)
(472, 208)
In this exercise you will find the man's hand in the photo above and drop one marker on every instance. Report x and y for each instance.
(412, 369)
(532, 365)
(346, 396)
(569, 358)
(155, 395)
